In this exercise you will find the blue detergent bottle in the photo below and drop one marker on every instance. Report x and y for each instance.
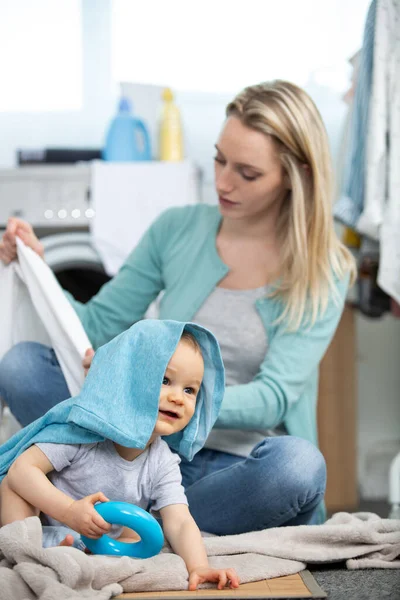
(127, 138)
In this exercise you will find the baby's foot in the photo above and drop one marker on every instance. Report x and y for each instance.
(67, 541)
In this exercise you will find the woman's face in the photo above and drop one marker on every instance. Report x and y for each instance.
(249, 178)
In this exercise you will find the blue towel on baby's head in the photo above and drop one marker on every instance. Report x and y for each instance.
(119, 399)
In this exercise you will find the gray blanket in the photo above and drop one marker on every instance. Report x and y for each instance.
(27, 571)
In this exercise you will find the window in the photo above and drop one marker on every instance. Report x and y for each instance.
(40, 55)
(223, 45)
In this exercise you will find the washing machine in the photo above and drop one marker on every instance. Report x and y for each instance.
(55, 200)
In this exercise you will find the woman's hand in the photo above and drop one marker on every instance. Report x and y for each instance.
(87, 360)
(221, 576)
(22, 229)
(81, 516)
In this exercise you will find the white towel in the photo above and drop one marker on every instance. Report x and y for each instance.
(127, 198)
(18, 317)
(33, 307)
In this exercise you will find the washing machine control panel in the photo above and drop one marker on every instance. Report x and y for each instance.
(47, 196)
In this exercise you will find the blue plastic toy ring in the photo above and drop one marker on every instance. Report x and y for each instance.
(129, 515)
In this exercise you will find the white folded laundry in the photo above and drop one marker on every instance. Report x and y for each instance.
(33, 307)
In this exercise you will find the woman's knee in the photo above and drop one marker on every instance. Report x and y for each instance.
(299, 465)
(31, 381)
(20, 364)
(307, 467)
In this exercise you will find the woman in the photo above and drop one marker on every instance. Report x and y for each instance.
(266, 273)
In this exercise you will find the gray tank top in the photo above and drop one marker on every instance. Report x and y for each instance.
(233, 318)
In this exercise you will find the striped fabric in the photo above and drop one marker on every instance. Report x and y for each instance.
(351, 201)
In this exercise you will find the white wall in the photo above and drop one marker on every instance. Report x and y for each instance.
(378, 356)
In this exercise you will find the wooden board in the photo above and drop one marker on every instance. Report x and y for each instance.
(300, 585)
(337, 416)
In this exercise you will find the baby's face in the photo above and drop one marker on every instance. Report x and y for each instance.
(179, 389)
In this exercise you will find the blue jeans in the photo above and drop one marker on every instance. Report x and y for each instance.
(282, 482)
(31, 381)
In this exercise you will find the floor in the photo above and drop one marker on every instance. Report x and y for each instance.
(373, 584)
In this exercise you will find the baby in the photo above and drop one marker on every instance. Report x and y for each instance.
(106, 444)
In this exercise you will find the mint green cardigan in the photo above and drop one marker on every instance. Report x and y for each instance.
(178, 255)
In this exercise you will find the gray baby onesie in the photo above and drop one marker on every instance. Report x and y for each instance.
(151, 481)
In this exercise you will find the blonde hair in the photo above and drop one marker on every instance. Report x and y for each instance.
(312, 254)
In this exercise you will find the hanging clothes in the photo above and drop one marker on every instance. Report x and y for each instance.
(351, 201)
(380, 218)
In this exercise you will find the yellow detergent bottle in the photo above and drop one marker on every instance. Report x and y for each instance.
(171, 136)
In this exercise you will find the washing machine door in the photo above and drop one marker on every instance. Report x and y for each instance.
(75, 263)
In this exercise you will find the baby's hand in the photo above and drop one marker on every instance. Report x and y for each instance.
(81, 516)
(87, 360)
(222, 576)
